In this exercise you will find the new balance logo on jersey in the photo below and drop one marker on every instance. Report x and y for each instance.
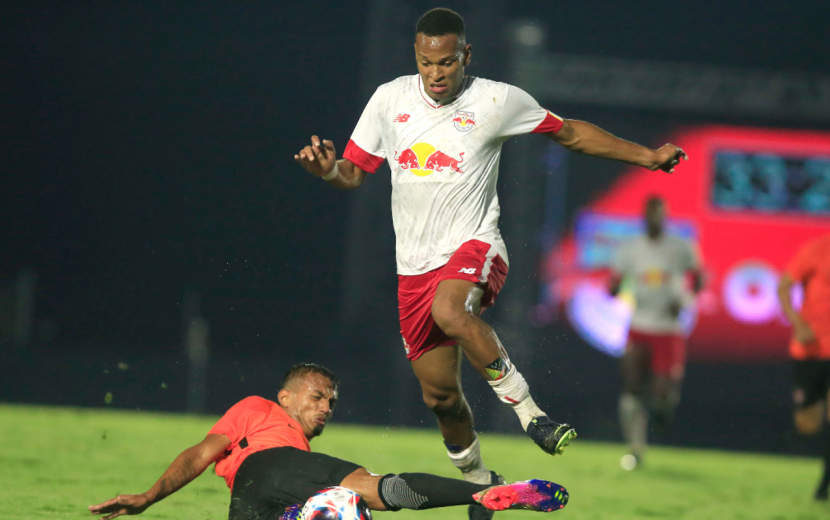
(401, 118)
(467, 270)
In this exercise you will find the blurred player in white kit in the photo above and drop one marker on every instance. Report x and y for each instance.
(664, 271)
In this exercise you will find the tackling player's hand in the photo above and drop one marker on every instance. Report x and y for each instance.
(121, 505)
(667, 157)
(319, 158)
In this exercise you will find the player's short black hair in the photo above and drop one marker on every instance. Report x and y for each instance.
(440, 22)
(303, 369)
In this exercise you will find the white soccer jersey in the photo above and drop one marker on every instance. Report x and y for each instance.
(658, 270)
(444, 160)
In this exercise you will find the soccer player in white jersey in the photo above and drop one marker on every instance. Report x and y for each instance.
(664, 272)
(441, 132)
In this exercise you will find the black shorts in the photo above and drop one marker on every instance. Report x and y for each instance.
(812, 381)
(271, 480)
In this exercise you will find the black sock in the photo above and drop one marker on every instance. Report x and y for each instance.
(425, 491)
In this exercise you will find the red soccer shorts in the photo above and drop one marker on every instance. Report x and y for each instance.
(474, 261)
(668, 352)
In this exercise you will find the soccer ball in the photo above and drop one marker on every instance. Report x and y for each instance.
(336, 503)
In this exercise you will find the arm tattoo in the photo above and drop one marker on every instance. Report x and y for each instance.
(178, 477)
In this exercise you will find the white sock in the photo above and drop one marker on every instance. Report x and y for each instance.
(634, 422)
(513, 390)
(470, 463)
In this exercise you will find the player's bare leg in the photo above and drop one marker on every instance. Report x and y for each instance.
(632, 408)
(455, 309)
(439, 372)
(809, 421)
(824, 484)
(665, 392)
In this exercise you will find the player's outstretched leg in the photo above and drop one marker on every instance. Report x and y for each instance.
(455, 310)
(536, 495)
(478, 511)
(424, 491)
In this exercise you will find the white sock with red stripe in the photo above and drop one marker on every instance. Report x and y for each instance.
(513, 390)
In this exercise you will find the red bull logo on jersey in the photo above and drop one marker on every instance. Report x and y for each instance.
(423, 159)
(464, 121)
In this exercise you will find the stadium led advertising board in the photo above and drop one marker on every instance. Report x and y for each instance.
(749, 197)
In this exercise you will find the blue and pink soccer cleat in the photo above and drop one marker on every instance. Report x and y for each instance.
(292, 512)
(535, 494)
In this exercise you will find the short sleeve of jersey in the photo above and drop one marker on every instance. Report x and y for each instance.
(523, 115)
(237, 421)
(801, 267)
(692, 256)
(365, 148)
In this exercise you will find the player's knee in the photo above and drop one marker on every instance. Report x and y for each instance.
(450, 317)
(444, 404)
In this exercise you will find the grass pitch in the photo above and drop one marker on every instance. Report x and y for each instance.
(57, 461)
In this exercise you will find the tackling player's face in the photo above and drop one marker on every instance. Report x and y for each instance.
(441, 61)
(310, 401)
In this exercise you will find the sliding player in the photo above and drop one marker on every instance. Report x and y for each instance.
(262, 450)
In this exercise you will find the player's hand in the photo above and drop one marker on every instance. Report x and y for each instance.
(667, 157)
(803, 332)
(121, 505)
(318, 158)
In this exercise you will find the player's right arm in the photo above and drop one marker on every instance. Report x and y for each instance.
(320, 158)
(187, 466)
(801, 329)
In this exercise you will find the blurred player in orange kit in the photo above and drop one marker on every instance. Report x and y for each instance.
(810, 344)
(658, 266)
(441, 133)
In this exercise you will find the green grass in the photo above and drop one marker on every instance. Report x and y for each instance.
(56, 461)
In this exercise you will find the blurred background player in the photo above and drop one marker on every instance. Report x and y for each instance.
(657, 266)
(810, 344)
(441, 132)
(262, 450)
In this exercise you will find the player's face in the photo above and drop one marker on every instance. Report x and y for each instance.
(311, 403)
(441, 61)
(655, 218)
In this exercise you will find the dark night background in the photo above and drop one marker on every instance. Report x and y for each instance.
(147, 151)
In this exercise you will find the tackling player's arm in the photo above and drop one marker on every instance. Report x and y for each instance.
(320, 160)
(188, 465)
(582, 137)
(801, 329)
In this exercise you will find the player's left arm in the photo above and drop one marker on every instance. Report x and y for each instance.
(582, 137)
(187, 466)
